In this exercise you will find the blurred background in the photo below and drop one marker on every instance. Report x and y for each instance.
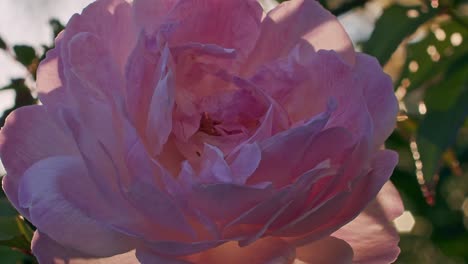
(422, 45)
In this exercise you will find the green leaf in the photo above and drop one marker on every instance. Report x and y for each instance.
(447, 109)
(14, 231)
(57, 27)
(3, 45)
(11, 256)
(396, 23)
(26, 55)
(428, 58)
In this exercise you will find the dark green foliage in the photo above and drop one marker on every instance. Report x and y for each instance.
(396, 23)
(3, 45)
(25, 54)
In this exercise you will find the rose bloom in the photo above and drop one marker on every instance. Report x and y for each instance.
(205, 131)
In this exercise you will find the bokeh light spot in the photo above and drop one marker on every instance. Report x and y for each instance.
(456, 39)
(405, 222)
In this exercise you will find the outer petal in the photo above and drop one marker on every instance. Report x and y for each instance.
(362, 191)
(328, 250)
(223, 202)
(265, 251)
(150, 14)
(229, 23)
(302, 84)
(29, 135)
(288, 155)
(41, 191)
(372, 235)
(299, 20)
(278, 209)
(380, 98)
(96, 19)
(305, 83)
(47, 251)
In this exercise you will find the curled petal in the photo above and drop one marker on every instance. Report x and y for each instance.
(51, 210)
(29, 136)
(372, 235)
(300, 20)
(231, 24)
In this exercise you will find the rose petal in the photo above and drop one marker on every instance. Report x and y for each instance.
(231, 24)
(93, 67)
(150, 191)
(29, 135)
(265, 251)
(305, 88)
(372, 235)
(48, 251)
(275, 211)
(246, 162)
(96, 19)
(177, 249)
(287, 155)
(296, 20)
(326, 199)
(150, 14)
(54, 214)
(362, 192)
(328, 250)
(149, 73)
(380, 98)
(159, 123)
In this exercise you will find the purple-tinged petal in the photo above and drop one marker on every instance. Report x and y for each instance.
(213, 167)
(29, 136)
(148, 73)
(328, 250)
(224, 201)
(55, 214)
(150, 14)
(231, 24)
(47, 251)
(246, 162)
(159, 123)
(372, 235)
(91, 63)
(277, 209)
(97, 19)
(282, 153)
(265, 251)
(362, 191)
(380, 98)
(298, 21)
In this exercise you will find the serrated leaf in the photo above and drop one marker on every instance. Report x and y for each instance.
(396, 23)
(447, 110)
(25, 54)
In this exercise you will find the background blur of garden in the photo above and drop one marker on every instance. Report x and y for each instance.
(423, 46)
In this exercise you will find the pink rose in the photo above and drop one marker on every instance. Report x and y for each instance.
(205, 131)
